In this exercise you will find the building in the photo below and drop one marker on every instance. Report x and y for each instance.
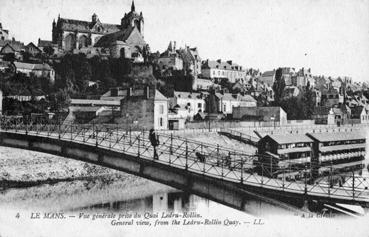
(291, 91)
(360, 113)
(144, 108)
(330, 115)
(267, 78)
(203, 84)
(42, 44)
(337, 152)
(221, 70)
(70, 34)
(11, 47)
(4, 34)
(331, 97)
(191, 60)
(32, 49)
(38, 70)
(337, 116)
(275, 115)
(302, 78)
(285, 155)
(115, 93)
(287, 74)
(27, 95)
(170, 59)
(188, 104)
(320, 114)
(228, 101)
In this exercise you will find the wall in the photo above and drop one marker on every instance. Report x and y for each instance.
(238, 124)
(161, 114)
(137, 112)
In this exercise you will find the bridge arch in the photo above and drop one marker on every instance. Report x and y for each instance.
(221, 191)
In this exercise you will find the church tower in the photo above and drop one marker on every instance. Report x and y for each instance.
(133, 19)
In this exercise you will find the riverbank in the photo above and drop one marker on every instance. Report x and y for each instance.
(32, 180)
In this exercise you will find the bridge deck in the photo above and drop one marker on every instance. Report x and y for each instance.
(203, 159)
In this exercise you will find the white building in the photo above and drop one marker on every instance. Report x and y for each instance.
(268, 78)
(219, 70)
(228, 101)
(190, 103)
(160, 111)
(38, 70)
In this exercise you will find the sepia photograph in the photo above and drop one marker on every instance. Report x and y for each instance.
(184, 118)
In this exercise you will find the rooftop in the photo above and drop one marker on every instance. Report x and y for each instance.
(290, 138)
(341, 136)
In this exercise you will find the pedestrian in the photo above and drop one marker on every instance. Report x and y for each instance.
(154, 139)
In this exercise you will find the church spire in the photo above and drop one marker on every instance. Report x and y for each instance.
(133, 6)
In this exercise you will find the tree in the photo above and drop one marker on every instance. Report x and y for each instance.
(308, 101)
(49, 50)
(278, 86)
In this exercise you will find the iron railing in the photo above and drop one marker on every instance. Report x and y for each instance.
(204, 158)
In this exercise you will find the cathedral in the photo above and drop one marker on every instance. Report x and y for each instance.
(123, 40)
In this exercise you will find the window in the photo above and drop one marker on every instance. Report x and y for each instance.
(161, 109)
(199, 105)
(224, 107)
(161, 122)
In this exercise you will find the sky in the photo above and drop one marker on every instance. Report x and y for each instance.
(329, 36)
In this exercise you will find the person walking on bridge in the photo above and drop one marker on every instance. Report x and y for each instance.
(154, 139)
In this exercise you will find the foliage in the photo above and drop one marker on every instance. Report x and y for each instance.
(278, 86)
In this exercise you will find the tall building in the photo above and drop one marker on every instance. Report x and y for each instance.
(70, 34)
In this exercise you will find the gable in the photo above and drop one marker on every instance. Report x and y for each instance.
(7, 49)
(135, 38)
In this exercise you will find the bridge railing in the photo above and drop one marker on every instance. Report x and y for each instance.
(207, 159)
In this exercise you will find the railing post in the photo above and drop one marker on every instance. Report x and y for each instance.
(204, 161)
(130, 136)
(96, 137)
(283, 178)
(83, 134)
(110, 132)
(138, 149)
(59, 136)
(117, 134)
(353, 184)
(186, 167)
(262, 173)
(241, 170)
(305, 180)
(218, 154)
(71, 131)
(171, 145)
